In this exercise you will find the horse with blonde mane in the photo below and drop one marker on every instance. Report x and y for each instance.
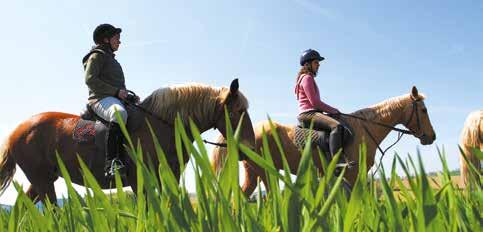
(408, 110)
(471, 138)
(34, 143)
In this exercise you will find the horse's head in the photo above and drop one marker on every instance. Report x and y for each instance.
(236, 105)
(416, 118)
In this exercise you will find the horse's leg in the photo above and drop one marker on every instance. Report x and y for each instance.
(32, 194)
(258, 172)
(50, 193)
(132, 178)
(41, 176)
(250, 182)
(41, 192)
(176, 170)
(265, 182)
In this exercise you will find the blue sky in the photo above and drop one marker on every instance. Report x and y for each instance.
(374, 50)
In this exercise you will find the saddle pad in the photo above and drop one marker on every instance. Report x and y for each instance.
(87, 131)
(84, 131)
(302, 134)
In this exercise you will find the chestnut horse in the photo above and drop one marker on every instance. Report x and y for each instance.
(471, 138)
(408, 110)
(33, 144)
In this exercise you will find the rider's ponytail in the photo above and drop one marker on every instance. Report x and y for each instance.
(303, 70)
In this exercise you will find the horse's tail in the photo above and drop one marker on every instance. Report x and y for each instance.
(469, 139)
(218, 156)
(7, 167)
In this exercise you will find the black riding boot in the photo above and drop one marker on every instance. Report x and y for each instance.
(336, 142)
(113, 151)
(336, 139)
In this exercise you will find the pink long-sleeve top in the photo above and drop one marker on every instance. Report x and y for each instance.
(308, 95)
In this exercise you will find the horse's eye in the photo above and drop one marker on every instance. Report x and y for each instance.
(425, 110)
(230, 114)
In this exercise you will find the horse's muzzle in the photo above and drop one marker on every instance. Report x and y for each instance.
(427, 140)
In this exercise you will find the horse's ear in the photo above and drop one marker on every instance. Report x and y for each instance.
(234, 87)
(414, 93)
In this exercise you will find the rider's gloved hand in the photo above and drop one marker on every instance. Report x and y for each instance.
(122, 94)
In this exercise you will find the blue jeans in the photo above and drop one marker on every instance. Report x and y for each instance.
(106, 108)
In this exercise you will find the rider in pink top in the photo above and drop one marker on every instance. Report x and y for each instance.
(312, 109)
(309, 97)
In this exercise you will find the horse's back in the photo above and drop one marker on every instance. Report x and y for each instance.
(285, 132)
(264, 126)
(47, 121)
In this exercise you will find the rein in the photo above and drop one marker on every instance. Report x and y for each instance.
(216, 144)
(399, 136)
(403, 131)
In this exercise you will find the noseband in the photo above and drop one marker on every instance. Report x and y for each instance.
(418, 121)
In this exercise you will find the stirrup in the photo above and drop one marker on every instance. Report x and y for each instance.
(115, 165)
(348, 164)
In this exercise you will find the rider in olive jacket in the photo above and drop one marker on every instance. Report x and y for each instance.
(105, 80)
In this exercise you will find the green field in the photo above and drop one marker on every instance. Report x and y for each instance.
(308, 203)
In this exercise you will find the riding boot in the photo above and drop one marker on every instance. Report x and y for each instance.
(336, 142)
(113, 151)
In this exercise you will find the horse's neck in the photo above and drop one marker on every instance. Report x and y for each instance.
(382, 113)
(168, 111)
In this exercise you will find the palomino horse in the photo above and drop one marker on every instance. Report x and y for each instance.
(471, 138)
(33, 144)
(408, 110)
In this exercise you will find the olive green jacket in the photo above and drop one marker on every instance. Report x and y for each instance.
(103, 74)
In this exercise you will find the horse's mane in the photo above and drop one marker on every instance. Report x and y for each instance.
(193, 100)
(385, 108)
(470, 135)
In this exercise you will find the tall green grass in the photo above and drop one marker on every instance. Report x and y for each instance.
(308, 203)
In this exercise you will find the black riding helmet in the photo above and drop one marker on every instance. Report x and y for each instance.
(309, 55)
(105, 31)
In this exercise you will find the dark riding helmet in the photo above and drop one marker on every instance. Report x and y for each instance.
(105, 31)
(309, 55)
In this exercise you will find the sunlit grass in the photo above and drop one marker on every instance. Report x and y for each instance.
(306, 203)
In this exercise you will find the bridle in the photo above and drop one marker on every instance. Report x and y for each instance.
(217, 118)
(401, 132)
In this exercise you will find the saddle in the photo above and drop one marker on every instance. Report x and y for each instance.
(92, 129)
(318, 137)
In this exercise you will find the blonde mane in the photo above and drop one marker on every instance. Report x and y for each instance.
(470, 135)
(471, 138)
(386, 107)
(196, 101)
